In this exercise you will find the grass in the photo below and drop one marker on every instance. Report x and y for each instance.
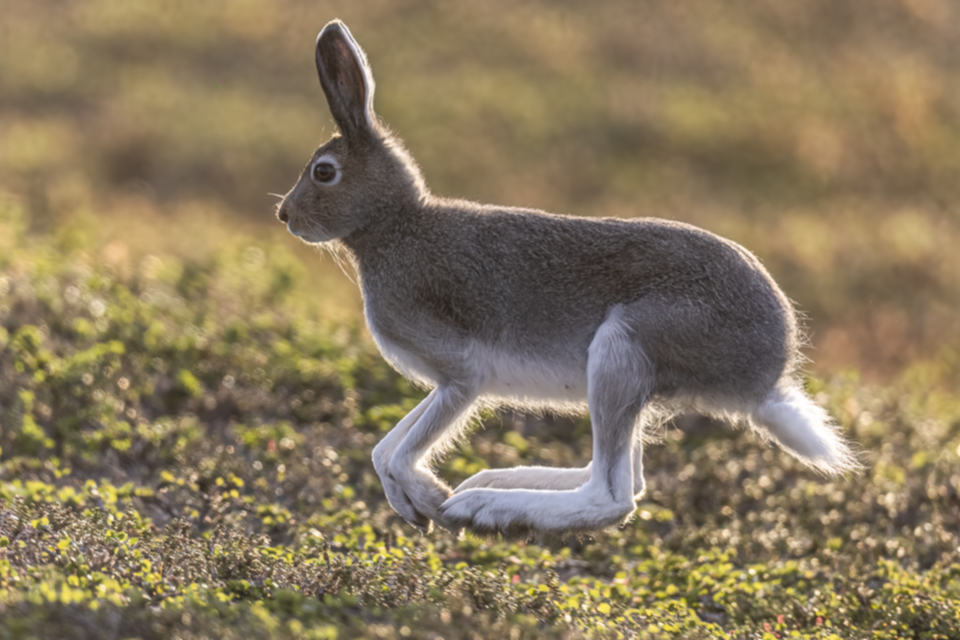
(186, 452)
(188, 398)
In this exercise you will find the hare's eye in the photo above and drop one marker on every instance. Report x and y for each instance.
(325, 172)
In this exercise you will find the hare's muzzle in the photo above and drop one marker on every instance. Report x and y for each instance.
(282, 213)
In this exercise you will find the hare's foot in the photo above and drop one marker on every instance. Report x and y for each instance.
(517, 513)
(527, 478)
(401, 459)
(548, 478)
(404, 505)
(416, 496)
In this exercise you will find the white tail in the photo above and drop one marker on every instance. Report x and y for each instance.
(805, 430)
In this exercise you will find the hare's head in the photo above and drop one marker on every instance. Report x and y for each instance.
(363, 173)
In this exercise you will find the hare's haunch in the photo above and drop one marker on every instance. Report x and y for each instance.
(632, 319)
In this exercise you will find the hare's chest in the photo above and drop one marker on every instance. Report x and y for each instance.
(407, 347)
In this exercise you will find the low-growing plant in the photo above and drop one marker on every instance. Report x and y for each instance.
(189, 459)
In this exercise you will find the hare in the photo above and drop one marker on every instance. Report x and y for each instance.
(633, 320)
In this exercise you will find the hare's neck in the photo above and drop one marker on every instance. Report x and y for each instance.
(370, 243)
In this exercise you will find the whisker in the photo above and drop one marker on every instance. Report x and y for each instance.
(342, 259)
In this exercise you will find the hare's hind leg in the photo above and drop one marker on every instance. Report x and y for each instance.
(550, 478)
(619, 381)
(402, 459)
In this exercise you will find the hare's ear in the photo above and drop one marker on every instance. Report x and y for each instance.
(346, 79)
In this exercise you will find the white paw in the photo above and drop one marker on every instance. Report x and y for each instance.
(403, 505)
(416, 495)
(520, 513)
(486, 512)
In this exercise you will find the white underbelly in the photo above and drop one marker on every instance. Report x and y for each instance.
(533, 382)
(500, 377)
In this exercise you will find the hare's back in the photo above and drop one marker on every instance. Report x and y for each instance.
(554, 267)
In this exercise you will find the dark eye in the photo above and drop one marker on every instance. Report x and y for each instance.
(324, 172)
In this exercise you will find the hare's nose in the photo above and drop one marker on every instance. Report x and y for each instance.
(282, 214)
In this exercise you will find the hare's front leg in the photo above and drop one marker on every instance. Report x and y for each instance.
(619, 378)
(383, 453)
(402, 458)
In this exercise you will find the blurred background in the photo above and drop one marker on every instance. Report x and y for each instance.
(822, 135)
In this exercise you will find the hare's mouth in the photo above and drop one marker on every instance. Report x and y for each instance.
(295, 232)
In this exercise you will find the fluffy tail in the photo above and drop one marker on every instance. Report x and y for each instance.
(806, 431)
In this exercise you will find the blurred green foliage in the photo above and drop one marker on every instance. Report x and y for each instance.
(822, 135)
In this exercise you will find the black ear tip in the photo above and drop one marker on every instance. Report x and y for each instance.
(334, 28)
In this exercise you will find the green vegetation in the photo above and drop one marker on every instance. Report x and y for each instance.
(188, 398)
(186, 450)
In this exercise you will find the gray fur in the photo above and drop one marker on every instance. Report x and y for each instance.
(501, 305)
